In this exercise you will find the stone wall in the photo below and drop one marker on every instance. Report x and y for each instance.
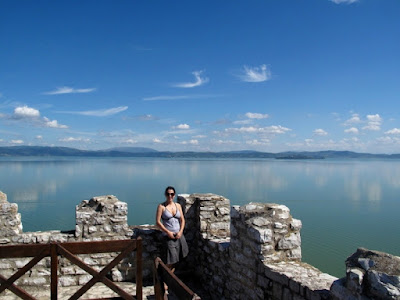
(247, 252)
(255, 255)
(101, 218)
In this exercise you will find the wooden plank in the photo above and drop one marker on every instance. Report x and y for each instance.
(17, 291)
(14, 251)
(93, 272)
(22, 271)
(139, 269)
(54, 272)
(157, 282)
(98, 246)
(100, 276)
(181, 290)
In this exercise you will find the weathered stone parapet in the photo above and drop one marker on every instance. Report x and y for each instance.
(101, 218)
(10, 220)
(294, 280)
(369, 275)
(268, 230)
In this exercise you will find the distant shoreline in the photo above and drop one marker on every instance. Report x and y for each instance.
(148, 152)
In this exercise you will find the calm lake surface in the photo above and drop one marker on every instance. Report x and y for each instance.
(343, 204)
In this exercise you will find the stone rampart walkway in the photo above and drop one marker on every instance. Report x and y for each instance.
(99, 290)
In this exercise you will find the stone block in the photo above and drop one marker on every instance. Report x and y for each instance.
(296, 224)
(290, 242)
(67, 280)
(3, 197)
(33, 281)
(261, 221)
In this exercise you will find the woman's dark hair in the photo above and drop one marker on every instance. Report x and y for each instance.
(169, 188)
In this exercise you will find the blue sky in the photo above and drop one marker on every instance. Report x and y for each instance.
(201, 75)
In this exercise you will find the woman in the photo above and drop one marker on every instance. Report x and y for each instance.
(170, 220)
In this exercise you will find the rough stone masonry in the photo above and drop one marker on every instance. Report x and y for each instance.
(247, 252)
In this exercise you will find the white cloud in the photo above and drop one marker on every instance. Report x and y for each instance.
(69, 90)
(198, 81)
(53, 124)
(393, 131)
(181, 97)
(308, 141)
(22, 112)
(100, 112)
(351, 130)
(320, 132)
(256, 74)
(256, 115)
(344, 1)
(182, 126)
(130, 141)
(256, 142)
(72, 139)
(191, 142)
(29, 114)
(17, 142)
(266, 130)
(39, 137)
(156, 98)
(373, 122)
(243, 122)
(157, 141)
(355, 119)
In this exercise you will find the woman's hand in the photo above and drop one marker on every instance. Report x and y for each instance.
(171, 235)
(178, 235)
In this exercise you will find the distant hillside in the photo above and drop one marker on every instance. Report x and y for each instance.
(148, 152)
(132, 149)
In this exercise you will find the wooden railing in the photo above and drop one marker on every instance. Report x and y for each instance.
(163, 275)
(69, 251)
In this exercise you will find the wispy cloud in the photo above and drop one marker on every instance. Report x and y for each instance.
(190, 142)
(355, 119)
(274, 129)
(179, 97)
(256, 115)
(199, 80)
(156, 98)
(344, 1)
(73, 139)
(255, 74)
(69, 90)
(320, 132)
(17, 142)
(98, 113)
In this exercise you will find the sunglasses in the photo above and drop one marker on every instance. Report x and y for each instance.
(170, 194)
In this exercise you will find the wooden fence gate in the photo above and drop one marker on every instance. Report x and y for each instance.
(69, 251)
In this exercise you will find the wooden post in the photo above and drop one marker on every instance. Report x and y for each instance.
(54, 270)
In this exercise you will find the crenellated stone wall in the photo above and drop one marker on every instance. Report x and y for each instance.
(241, 252)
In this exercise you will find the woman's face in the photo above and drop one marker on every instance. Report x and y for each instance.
(170, 194)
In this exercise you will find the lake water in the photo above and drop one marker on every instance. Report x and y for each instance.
(343, 204)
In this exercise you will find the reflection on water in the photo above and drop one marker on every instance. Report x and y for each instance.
(343, 204)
